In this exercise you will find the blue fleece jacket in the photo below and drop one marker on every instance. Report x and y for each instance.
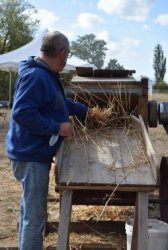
(39, 107)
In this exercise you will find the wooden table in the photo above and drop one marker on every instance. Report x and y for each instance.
(114, 159)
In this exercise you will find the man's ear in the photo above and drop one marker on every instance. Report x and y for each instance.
(62, 53)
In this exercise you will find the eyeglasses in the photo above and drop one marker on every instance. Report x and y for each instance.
(69, 53)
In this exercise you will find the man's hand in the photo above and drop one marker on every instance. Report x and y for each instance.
(98, 115)
(66, 129)
(90, 114)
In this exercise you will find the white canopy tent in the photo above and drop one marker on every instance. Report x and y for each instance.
(9, 61)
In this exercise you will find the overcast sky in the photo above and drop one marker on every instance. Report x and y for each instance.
(131, 28)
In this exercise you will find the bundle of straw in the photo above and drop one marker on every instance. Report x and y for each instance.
(99, 116)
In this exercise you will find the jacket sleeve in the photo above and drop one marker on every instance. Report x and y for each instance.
(77, 108)
(31, 94)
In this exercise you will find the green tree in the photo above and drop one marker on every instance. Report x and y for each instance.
(113, 64)
(16, 25)
(159, 63)
(89, 48)
(162, 85)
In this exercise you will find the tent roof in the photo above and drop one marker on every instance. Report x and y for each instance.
(9, 61)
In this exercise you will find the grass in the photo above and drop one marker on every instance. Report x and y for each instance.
(159, 97)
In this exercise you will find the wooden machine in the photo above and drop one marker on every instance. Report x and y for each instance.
(113, 163)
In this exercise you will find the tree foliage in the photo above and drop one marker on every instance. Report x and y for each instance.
(159, 63)
(16, 25)
(4, 84)
(161, 85)
(113, 64)
(89, 48)
(16, 29)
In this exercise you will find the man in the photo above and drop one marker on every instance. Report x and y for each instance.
(40, 110)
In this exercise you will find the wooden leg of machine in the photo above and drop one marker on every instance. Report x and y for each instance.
(64, 223)
(164, 189)
(140, 228)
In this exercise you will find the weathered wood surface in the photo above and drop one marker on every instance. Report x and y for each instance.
(83, 246)
(80, 79)
(112, 188)
(163, 189)
(109, 85)
(140, 228)
(64, 224)
(91, 246)
(8, 246)
(150, 151)
(111, 157)
(89, 227)
(114, 156)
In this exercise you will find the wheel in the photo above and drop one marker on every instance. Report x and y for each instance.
(152, 113)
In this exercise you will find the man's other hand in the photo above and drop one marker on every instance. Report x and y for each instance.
(66, 129)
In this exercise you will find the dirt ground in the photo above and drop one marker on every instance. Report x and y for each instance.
(10, 191)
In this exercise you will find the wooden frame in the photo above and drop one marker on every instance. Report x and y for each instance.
(140, 92)
(67, 182)
(140, 228)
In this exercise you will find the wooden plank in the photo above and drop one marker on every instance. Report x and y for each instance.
(101, 161)
(115, 158)
(53, 199)
(74, 167)
(126, 158)
(143, 101)
(85, 226)
(83, 246)
(58, 161)
(114, 202)
(99, 201)
(163, 194)
(150, 151)
(130, 81)
(117, 155)
(140, 171)
(65, 215)
(90, 246)
(98, 246)
(136, 120)
(8, 246)
(101, 194)
(125, 188)
(140, 228)
(105, 160)
(135, 166)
